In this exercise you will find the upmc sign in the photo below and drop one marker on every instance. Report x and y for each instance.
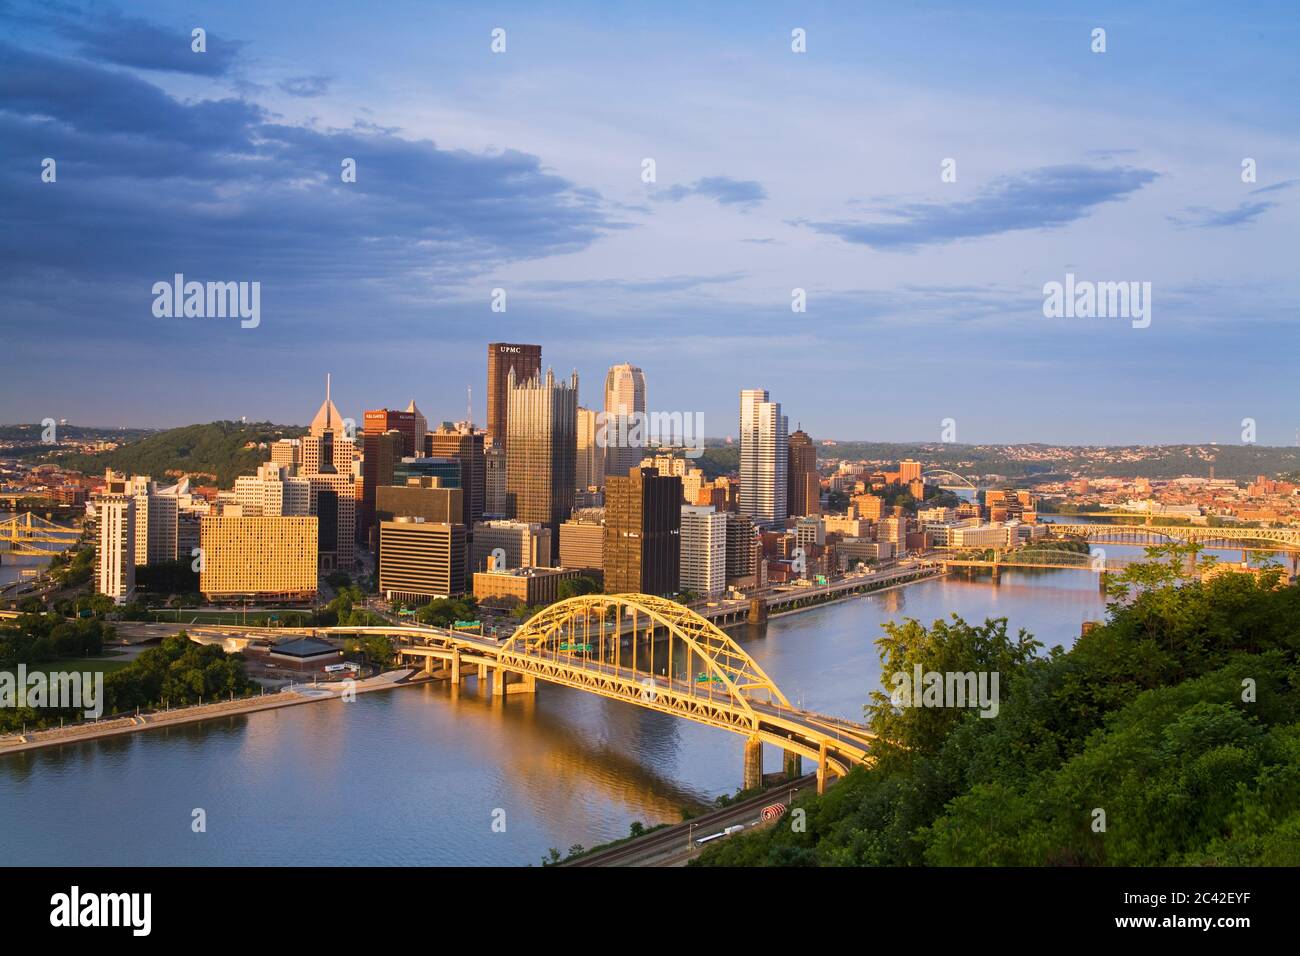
(507, 349)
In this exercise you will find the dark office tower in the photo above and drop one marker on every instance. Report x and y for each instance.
(503, 358)
(804, 494)
(410, 423)
(382, 452)
(643, 521)
(466, 446)
(541, 449)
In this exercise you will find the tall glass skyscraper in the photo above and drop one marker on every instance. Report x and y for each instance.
(764, 458)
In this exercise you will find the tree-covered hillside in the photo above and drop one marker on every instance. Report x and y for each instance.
(216, 449)
(1168, 736)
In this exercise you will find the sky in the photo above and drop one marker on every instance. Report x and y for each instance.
(773, 171)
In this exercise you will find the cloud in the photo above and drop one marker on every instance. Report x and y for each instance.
(1039, 199)
(149, 185)
(725, 190)
(1202, 217)
(306, 86)
(110, 37)
(1275, 187)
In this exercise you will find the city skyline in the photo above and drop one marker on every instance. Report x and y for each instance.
(478, 171)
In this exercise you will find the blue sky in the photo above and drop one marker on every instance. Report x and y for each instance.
(774, 171)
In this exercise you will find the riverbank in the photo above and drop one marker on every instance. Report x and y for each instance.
(116, 726)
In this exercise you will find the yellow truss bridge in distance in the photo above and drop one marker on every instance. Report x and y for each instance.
(649, 652)
(25, 533)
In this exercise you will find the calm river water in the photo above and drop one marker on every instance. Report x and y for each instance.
(413, 776)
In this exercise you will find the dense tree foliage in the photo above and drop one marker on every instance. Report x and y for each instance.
(1170, 735)
(217, 448)
(444, 612)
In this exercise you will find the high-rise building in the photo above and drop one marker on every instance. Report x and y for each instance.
(465, 445)
(115, 558)
(625, 438)
(410, 423)
(643, 519)
(262, 557)
(704, 551)
(908, 471)
(582, 541)
(743, 547)
(420, 560)
(803, 484)
(273, 491)
(517, 544)
(157, 511)
(589, 469)
(495, 502)
(329, 463)
(540, 450)
(382, 451)
(764, 458)
(525, 361)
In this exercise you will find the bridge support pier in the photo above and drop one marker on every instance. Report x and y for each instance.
(501, 685)
(793, 765)
(428, 666)
(821, 770)
(482, 674)
(753, 763)
(757, 610)
(455, 667)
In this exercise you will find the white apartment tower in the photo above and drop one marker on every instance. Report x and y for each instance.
(116, 558)
(704, 550)
(764, 458)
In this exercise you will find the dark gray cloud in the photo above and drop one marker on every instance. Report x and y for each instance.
(1038, 199)
(306, 86)
(723, 189)
(110, 37)
(149, 185)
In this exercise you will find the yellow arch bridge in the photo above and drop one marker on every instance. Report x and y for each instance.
(649, 652)
(26, 533)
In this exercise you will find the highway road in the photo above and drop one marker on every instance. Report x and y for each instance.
(675, 845)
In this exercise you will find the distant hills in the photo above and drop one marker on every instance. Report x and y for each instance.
(1039, 461)
(216, 449)
(1031, 460)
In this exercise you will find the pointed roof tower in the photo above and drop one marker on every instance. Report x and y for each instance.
(328, 418)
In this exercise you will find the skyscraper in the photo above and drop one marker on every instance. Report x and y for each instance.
(590, 467)
(624, 401)
(465, 445)
(329, 465)
(381, 450)
(804, 484)
(542, 419)
(115, 558)
(643, 520)
(704, 551)
(503, 358)
(764, 458)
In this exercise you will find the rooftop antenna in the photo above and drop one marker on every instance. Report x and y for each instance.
(469, 403)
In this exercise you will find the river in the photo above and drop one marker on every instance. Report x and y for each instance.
(418, 775)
